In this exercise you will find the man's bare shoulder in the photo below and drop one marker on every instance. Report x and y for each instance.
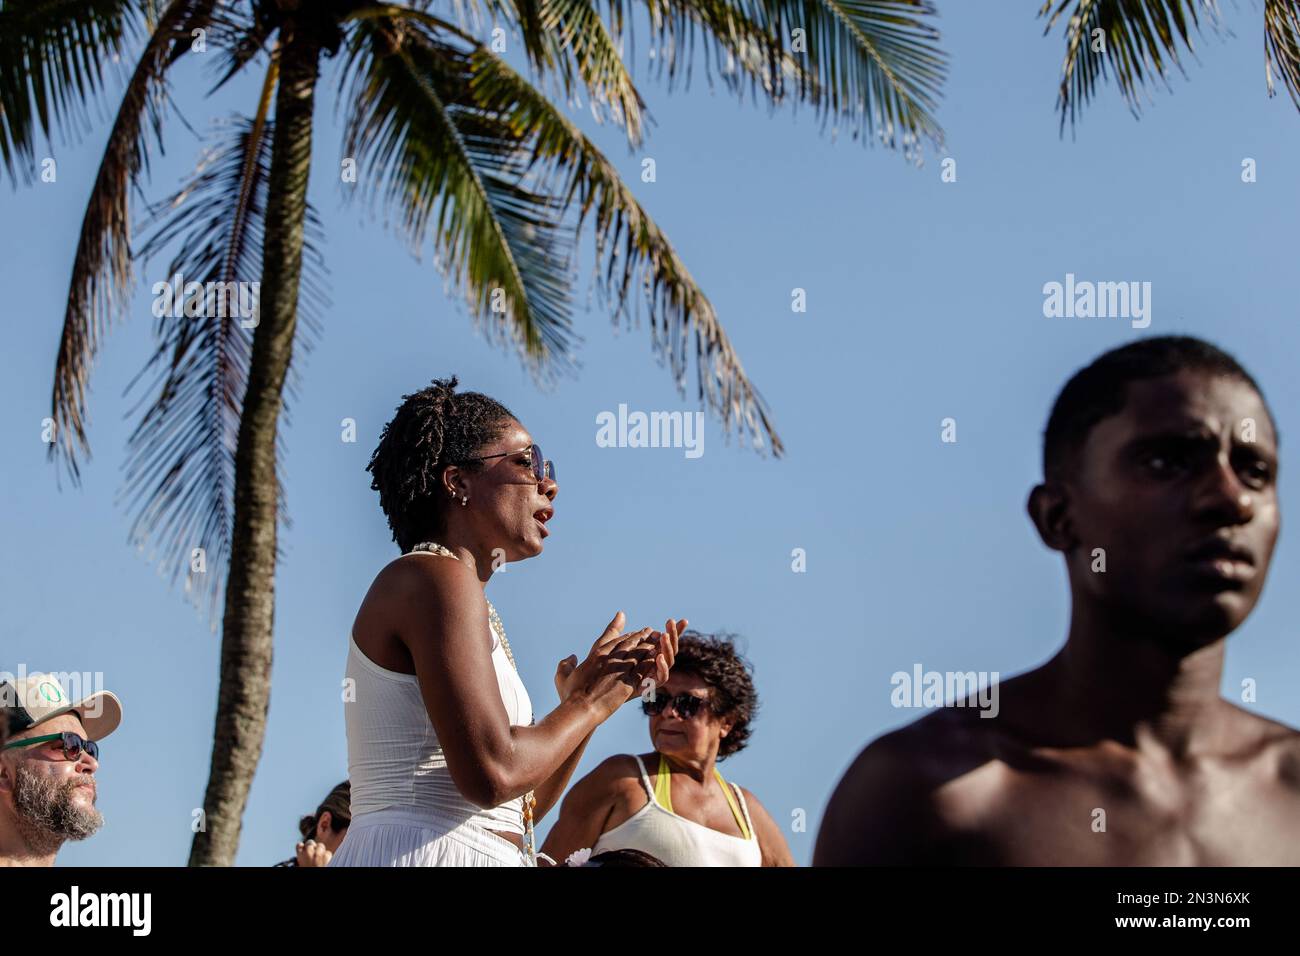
(1267, 739)
(883, 810)
(1265, 729)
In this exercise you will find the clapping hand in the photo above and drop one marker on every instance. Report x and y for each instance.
(620, 663)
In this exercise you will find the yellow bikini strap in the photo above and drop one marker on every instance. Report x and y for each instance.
(663, 794)
(663, 781)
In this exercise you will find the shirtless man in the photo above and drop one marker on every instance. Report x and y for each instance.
(1119, 751)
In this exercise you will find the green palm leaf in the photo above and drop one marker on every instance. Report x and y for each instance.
(567, 180)
(101, 270)
(567, 41)
(52, 58)
(575, 27)
(873, 65)
(181, 466)
(636, 256)
(1142, 40)
(1282, 45)
(455, 172)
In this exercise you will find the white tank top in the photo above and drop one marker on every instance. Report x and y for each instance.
(678, 841)
(394, 758)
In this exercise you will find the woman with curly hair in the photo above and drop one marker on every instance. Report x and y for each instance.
(447, 765)
(688, 815)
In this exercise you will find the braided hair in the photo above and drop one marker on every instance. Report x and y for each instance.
(433, 428)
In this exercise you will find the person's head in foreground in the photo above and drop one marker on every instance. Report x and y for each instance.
(1160, 492)
(1160, 465)
(459, 465)
(48, 765)
(324, 830)
(621, 858)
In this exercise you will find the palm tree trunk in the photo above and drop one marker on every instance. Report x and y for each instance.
(249, 617)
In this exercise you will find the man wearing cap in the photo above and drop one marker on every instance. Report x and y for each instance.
(47, 766)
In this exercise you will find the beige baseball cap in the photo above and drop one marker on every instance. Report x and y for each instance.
(31, 699)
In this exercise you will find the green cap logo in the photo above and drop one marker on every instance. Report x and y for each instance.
(51, 693)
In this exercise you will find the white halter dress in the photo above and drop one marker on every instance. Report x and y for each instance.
(406, 810)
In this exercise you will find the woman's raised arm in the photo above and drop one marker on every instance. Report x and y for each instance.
(440, 617)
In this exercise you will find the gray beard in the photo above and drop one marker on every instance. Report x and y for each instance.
(46, 813)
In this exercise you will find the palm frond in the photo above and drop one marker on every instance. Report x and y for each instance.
(454, 172)
(1282, 46)
(566, 179)
(873, 65)
(634, 257)
(736, 41)
(181, 455)
(238, 37)
(566, 40)
(101, 270)
(578, 32)
(528, 15)
(1142, 40)
(52, 58)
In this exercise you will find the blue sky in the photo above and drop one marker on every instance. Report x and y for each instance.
(924, 301)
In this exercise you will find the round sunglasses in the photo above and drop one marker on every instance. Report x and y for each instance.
(686, 705)
(72, 744)
(542, 468)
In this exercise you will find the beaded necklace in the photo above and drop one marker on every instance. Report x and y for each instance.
(494, 621)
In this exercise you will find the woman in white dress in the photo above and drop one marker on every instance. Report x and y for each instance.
(448, 767)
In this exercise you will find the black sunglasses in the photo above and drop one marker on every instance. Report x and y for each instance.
(71, 743)
(542, 469)
(686, 705)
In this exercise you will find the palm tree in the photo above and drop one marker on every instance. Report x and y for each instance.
(470, 155)
(1142, 40)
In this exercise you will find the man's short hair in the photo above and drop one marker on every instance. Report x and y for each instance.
(1101, 389)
